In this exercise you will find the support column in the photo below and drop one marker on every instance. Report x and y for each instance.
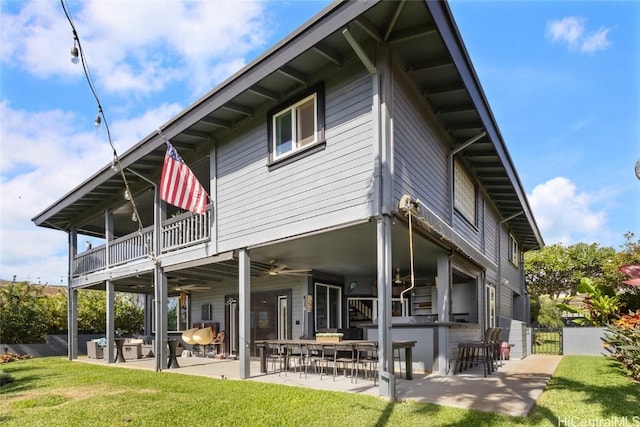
(382, 134)
(159, 287)
(244, 304)
(385, 343)
(111, 324)
(161, 338)
(444, 312)
(72, 300)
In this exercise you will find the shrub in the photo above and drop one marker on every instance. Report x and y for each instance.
(5, 378)
(622, 342)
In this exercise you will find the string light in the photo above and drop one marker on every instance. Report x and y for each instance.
(74, 53)
(77, 55)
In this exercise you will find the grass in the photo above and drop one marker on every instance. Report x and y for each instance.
(56, 392)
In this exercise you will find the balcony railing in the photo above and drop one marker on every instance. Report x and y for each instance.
(182, 231)
(176, 233)
(132, 246)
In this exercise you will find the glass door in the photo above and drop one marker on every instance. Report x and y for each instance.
(328, 306)
(283, 318)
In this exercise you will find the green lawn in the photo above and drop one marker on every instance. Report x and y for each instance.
(55, 392)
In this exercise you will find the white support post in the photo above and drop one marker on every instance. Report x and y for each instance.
(244, 303)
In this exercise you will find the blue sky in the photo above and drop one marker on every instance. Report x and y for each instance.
(561, 78)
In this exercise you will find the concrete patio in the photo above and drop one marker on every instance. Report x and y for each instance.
(513, 389)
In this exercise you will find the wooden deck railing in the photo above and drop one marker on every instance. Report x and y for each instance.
(185, 230)
(132, 246)
(179, 232)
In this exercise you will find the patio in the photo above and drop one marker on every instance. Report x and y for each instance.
(513, 389)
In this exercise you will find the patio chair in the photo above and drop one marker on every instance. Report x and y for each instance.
(275, 354)
(94, 351)
(367, 357)
(476, 351)
(315, 358)
(343, 354)
(295, 352)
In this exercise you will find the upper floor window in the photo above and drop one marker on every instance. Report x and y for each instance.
(514, 251)
(464, 193)
(297, 126)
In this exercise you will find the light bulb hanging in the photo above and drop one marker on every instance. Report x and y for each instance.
(97, 121)
(127, 196)
(134, 217)
(75, 56)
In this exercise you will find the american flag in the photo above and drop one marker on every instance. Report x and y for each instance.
(179, 186)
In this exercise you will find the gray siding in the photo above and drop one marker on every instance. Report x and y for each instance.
(420, 158)
(216, 297)
(329, 187)
(505, 303)
(491, 222)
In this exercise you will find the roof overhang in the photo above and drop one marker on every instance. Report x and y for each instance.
(424, 42)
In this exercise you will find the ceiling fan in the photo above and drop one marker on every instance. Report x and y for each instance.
(401, 280)
(190, 288)
(275, 269)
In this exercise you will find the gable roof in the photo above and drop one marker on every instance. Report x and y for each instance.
(425, 42)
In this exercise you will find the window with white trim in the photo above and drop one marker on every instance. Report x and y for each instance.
(514, 251)
(464, 193)
(295, 127)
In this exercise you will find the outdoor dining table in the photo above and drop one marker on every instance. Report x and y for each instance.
(406, 345)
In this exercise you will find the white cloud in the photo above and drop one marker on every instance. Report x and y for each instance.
(572, 32)
(44, 157)
(596, 41)
(565, 215)
(142, 51)
(568, 30)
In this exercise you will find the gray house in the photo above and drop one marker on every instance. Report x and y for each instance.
(359, 182)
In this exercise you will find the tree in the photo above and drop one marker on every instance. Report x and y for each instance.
(26, 314)
(556, 270)
(92, 311)
(630, 254)
(23, 317)
(129, 316)
(548, 313)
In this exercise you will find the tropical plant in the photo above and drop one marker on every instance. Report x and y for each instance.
(600, 304)
(622, 342)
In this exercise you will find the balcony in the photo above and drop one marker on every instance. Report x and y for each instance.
(184, 230)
